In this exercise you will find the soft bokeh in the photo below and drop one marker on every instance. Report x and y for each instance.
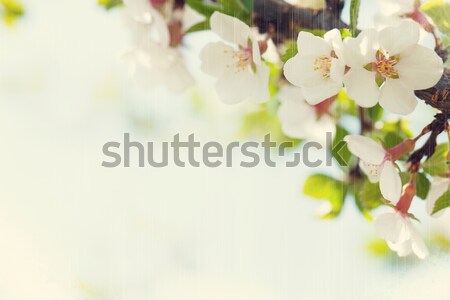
(71, 229)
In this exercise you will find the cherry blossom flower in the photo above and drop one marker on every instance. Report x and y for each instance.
(387, 66)
(237, 65)
(301, 120)
(318, 68)
(438, 187)
(393, 12)
(379, 164)
(153, 61)
(397, 229)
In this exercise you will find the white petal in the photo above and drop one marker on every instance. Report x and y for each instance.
(216, 58)
(402, 249)
(396, 97)
(420, 67)
(235, 87)
(361, 50)
(299, 71)
(396, 7)
(260, 90)
(333, 37)
(418, 245)
(309, 44)
(438, 187)
(392, 227)
(365, 148)
(396, 39)
(390, 182)
(322, 91)
(361, 87)
(372, 171)
(230, 29)
(337, 71)
(318, 129)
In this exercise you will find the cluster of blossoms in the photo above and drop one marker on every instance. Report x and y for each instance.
(384, 66)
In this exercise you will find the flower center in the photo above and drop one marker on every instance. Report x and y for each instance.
(244, 58)
(323, 64)
(385, 64)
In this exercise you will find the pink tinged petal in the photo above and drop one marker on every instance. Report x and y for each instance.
(216, 58)
(371, 170)
(361, 86)
(397, 97)
(361, 50)
(309, 44)
(230, 29)
(365, 148)
(438, 187)
(392, 227)
(396, 39)
(418, 245)
(402, 249)
(299, 71)
(420, 67)
(390, 182)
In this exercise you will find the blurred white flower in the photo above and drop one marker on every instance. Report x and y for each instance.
(152, 65)
(152, 61)
(318, 67)
(316, 4)
(301, 120)
(237, 65)
(438, 187)
(387, 66)
(378, 164)
(401, 235)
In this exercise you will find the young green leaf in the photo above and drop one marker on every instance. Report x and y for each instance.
(202, 8)
(324, 187)
(442, 202)
(437, 164)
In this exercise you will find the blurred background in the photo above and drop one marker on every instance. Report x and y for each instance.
(71, 229)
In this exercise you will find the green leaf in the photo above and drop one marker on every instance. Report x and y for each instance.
(422, 185)
(392, 139)
(109, 4)
(237, 9)
(442, 202)
(354, 12)
(370, 195)
(375, 113)
(204, 25)
(323, 187)
(203, 8)
(345, 33)
(343, 156)
(291, 51)
(437, 164)
(439, 12)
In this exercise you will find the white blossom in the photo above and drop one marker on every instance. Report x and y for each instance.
(401, 235)
(152, 61)
(387, 66)
(301, 120)
(377, 163)
(438, 187)
(241, 74)
(318, 68)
